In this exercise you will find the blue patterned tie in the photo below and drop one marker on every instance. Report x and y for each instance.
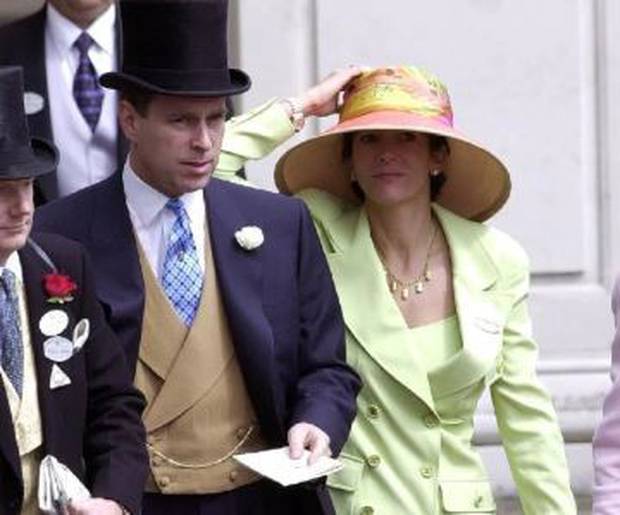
(182, 276)
(86, 89)
(11, 347)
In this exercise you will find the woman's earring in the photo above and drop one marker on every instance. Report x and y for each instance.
(435, 172)
(352, 177)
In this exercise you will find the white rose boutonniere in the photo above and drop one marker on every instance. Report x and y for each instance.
(250, 237)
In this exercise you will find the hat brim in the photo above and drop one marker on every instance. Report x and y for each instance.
(44, 160)
(239, 83)
(477, 183)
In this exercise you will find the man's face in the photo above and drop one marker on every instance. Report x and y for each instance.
(176, 144)
(16, 209)
(81, 12)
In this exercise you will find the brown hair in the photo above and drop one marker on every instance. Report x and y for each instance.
(139, 98)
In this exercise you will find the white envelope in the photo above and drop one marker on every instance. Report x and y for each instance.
(278, 466)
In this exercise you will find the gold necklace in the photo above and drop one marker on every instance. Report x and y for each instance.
(425, 276)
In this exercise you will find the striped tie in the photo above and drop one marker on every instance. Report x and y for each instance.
(86, 89)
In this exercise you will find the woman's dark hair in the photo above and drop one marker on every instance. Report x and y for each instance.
(436, 144)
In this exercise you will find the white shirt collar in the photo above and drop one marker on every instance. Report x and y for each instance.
(147, 203)
(64, 32)
(152, 222)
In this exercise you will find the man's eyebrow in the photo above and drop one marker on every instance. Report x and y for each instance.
(221, 112)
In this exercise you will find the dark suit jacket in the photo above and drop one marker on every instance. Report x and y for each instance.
(279, 298)
(92, 425)
(23, 43)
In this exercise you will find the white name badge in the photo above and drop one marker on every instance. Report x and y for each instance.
(53, 322)
(33, 102)
(58, 349)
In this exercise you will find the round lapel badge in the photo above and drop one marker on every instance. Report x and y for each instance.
(53, 322)
(33, 103)
(58, 348)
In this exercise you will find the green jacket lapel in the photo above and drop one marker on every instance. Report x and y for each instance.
(478, 307)
(370, 313)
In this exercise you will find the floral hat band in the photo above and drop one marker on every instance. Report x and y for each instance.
(404, 89)
(402, 98)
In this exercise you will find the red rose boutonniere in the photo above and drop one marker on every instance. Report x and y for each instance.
(59, 288)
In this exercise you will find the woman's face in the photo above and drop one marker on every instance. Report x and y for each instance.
(392, 167)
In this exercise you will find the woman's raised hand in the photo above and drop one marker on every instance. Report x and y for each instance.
(324, 98)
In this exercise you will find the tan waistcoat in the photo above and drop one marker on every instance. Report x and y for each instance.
(198, 410)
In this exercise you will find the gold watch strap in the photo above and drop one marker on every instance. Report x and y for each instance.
(297, 112)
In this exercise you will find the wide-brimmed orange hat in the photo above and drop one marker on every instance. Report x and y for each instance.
(399, 98)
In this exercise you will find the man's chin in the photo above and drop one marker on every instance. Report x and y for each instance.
(12, 242)
(190, 185)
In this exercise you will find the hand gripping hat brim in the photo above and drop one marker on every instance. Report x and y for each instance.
(175, 47)
(399, 98)
(21, 157)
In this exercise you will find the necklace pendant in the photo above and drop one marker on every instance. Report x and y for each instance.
(428, 275)
(419, 287)
(393, 286)
(404, 293)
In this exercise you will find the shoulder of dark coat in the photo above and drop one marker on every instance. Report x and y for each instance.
(58, 247)
(259, 199)
(20, 32)
(62, 214)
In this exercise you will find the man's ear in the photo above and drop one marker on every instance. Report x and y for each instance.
(128, 119)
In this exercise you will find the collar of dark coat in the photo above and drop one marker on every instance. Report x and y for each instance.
(240, 279)
(33, 270)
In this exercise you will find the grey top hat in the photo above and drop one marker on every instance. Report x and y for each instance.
(20, 156)
(176, 47)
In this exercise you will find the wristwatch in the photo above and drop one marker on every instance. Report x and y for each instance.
(297, 116)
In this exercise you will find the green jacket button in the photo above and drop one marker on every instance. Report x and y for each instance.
(373, 461)
(427, 472)
(372, 411)
(430, 421)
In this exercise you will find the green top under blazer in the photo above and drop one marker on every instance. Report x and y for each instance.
(410, 448)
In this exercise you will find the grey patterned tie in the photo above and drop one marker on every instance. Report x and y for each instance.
(11, 346)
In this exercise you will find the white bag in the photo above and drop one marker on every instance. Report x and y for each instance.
(58, 486)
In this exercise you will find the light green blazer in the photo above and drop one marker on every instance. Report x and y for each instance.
(410, 449)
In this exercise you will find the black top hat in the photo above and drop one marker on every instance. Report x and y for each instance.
(176, 47)
(20, 156)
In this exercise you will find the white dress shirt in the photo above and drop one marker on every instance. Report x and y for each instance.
(85, 157)
(152, 221)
